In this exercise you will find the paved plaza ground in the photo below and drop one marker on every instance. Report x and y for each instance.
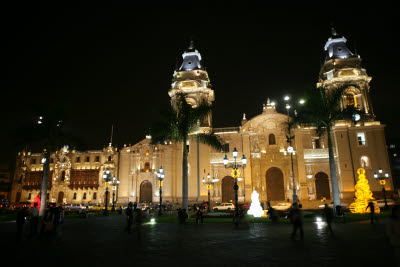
(101, 241)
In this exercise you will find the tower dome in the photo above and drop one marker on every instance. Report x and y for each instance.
(191, 59)
(336, 47)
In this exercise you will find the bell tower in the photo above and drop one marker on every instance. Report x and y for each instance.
(342, 68)
(192, 79)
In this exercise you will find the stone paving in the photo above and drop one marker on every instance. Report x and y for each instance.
(101, 241)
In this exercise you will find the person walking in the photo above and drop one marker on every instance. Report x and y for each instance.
(138, 223)
(48, 222)
(328, 213)
(119, 210)
(199, 216)
(297, 221)
(21, 219)
(393, 232)
(59, 221)
(129, 213)
(372, 209)
(34, 214)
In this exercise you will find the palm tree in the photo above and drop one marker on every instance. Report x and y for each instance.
(46, 134)
(179, 124)
(322, 110)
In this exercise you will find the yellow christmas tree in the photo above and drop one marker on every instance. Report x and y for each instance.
(363, 195)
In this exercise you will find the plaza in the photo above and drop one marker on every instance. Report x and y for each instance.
(101, 241)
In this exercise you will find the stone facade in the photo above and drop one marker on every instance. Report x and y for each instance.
(262, 139)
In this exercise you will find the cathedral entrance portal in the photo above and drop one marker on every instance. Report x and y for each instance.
(228, 193)
(275, 185)
(322, 186)
(60, 198)
(146, 192)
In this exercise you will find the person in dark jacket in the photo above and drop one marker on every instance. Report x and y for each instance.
(372, 209)
(129, 213)
(21, 219)
(199, 216)
(328, 213)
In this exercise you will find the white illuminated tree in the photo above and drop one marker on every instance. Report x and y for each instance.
(255, 207)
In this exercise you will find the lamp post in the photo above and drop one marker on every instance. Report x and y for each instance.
(114, 183)
(160, 175)
(107, 179)
(290, 148)
(382, 182)
(209, 182)
(235, 174)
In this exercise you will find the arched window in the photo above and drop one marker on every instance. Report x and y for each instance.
(271, 139)
(84, 195)
(62, 178)
(29, 196)
(74, 195)
(351, 100)
(95, 195)
(109, 158)
(147, 167)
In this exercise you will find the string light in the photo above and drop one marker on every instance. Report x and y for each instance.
(363, 195)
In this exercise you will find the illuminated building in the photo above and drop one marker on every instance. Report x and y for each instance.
(358, 143)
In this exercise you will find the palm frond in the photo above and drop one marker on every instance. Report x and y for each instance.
(208, 139)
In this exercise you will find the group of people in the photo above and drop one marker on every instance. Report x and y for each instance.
(51, 222)
(134, 218)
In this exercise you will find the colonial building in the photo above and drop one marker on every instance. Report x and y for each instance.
(77, 176)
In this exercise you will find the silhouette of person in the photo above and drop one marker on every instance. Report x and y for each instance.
(372, 209)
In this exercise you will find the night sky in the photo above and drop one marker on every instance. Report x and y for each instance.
(113, 64)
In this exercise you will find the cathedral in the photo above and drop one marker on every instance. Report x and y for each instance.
(77, 176)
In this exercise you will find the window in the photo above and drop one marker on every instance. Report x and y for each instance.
(29, 196)
(78, 159)
(84, 195)
(146, 152)
(87, 159)
(226, 148)
(146, 167)
(361, 139)
(74, 195)
(33, 161)
(94, 195)
(97, 159)
(351, 100)
(62, 178)
(271, 139)
(317, 143)
(109, 158)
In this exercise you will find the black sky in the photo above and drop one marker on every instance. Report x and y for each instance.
(113, 64)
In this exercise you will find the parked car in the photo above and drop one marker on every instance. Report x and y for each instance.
(244, 206)
(345, 206)
(224, 206)
(20, 205)
(142, 206)
(74, 207)
(381, 202)
(282, 206)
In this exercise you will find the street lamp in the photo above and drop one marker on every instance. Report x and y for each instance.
(107, 179)
(114, 183)
(209, 182)
(290, 148)
(235, 174)
(382, 182)
(160, 175)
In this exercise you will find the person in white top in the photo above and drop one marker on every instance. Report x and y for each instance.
(34, 213)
